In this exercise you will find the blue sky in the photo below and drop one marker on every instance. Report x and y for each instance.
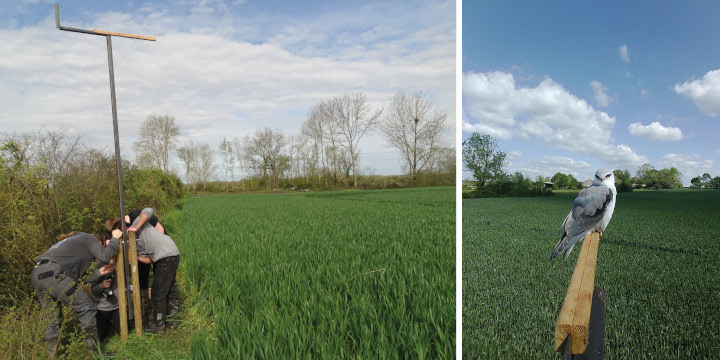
(222, 68)
(573, 87)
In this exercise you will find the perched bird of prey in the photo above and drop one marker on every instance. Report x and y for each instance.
(591, 211)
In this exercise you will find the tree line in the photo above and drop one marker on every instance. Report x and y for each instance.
(482, 156)
(324, 154)
(705, 181)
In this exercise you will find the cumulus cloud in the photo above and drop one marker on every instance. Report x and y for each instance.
(495, 105)
(600, 93)
(623, 52)
(655, 132)
(704, 92)
(689, 166)
(218, 82)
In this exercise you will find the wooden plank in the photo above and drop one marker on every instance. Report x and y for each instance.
(141, 37)
(566, 322)
(581, 321)
(122, 300)
(137, 310)
(596, 347)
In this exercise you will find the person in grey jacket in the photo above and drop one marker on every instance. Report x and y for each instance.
(159, 249)
(56, 281)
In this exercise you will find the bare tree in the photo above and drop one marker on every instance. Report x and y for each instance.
(238, 147)
(353, 117)
(189, 154)
(206, 162)
(144, 161)
(414, 125)
(227, 154)
(264, 152)
(158, 136)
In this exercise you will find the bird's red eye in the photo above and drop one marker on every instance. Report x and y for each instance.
(607, 176)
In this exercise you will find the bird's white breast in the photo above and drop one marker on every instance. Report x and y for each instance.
(609, 211)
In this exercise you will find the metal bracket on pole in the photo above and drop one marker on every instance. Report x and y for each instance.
(129, 264)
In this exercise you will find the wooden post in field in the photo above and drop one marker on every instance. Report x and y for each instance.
(120, 268)
(137, 310)
(574, 318)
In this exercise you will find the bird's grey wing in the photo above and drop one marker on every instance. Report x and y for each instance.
(571, 235)
(589, 207)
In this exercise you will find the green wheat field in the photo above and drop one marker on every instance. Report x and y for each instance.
(658, 261)
(351, 274)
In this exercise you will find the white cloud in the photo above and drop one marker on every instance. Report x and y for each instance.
(548, 165)
(495, 105)
(623, 52)
(564, 161)
(656, 132)
(705, 92)
(600, 93)
(496, 132)
(514, 154)
(689, 166)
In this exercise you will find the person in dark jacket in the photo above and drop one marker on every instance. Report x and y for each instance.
(56, 281)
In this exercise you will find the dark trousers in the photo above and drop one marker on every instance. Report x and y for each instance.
(144, 274)
(108, 323)
(54, 289)
(164, 287)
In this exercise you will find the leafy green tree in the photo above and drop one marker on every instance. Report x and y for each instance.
(646, 175)
(715, 182)
(572, 182)
(559, 181)
(696, 182)
(706, 180)
(623, 181)
(483, 157)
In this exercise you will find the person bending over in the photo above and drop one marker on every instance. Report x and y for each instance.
(56, 280)
(159, 249)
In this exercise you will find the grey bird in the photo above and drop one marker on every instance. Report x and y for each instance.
(591, 211)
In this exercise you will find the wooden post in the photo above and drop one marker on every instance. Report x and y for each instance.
(574, 317)
(137, 310)
(120, 268)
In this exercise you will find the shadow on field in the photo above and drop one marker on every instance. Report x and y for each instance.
(653, 247)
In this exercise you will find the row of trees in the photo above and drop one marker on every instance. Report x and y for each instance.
(326, 150)
(705, 181)
(482, 156)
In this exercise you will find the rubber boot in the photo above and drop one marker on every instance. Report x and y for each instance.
(158, 322)
(172, 316)
(145, 303)
(51, 346)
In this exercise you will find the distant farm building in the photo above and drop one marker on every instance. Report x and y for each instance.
(548, 185)
(587, 183)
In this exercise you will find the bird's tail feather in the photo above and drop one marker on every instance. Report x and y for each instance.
(566, 245)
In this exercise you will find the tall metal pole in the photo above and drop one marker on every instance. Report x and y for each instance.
(118, 163)
(126, 264)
